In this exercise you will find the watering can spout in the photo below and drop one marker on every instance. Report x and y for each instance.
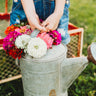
(72, 67)
(70, 70)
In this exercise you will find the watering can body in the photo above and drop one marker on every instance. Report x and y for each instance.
(52, 74)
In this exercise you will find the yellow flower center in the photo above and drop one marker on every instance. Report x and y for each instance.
(55, 33)
(22, 30)
(10, 39)
(36, 47)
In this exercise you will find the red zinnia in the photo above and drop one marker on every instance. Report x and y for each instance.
(15, 52)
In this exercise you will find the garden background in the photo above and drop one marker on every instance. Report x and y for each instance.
(82, 14)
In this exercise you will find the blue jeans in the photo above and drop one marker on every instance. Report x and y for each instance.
(43, 8)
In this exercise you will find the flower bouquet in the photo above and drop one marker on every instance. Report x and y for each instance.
(22, 40)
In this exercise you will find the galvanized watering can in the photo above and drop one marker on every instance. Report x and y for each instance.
(53, 74)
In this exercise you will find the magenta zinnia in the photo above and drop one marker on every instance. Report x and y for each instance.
(56, 36)
(10, 39)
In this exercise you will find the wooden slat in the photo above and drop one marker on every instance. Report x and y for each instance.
(71, 26)
(10, 79)
(4, 16)
(75, 31)
(6, 6)
(82, 36)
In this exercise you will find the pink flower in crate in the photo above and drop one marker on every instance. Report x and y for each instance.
(46, 37)
(9, 40)
(56, 36)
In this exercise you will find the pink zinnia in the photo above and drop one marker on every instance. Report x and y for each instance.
(46, 37)
(24, 30)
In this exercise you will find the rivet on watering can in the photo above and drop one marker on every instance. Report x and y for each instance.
(52, 93)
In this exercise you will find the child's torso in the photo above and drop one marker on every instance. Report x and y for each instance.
(43, 8)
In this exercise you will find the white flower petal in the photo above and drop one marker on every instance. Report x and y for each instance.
(36, 47)
(22, 41)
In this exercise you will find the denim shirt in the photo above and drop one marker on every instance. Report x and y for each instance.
(43, 8)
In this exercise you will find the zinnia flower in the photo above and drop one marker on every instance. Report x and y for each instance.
(10, 29)
(22, 41)
(15, 52)
(28, 32)
(46, 37)
(9, 40)
(36, 47)
(24, 30)
(56, 36)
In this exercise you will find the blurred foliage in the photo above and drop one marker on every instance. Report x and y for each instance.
(2, 5)
(82, 14)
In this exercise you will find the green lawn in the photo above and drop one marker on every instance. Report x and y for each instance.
(82, 14)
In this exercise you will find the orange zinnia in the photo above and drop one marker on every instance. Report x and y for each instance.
(10, 29)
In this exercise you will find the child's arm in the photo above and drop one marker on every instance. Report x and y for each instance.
(31, 15)
(51, 23)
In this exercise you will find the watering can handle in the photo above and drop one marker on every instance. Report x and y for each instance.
(92, 53)
(17, 62)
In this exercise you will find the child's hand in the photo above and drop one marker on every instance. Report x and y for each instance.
(35, 23)
(31, 15)
(51, 23)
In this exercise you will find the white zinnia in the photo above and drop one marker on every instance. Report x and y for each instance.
(36, 47)
(22, 41)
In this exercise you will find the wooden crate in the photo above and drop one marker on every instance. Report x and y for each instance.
(76, 44)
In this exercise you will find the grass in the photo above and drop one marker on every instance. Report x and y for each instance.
(13, 88)
(82, 14)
